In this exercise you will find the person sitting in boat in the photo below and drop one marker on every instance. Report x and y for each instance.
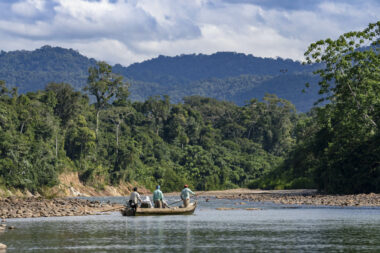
(145, 203)
(134, 198)
(185, 195)
(158, 197)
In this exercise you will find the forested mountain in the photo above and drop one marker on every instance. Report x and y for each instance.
(33, 70)
(205, 142)
(225, 75)
(195, 67)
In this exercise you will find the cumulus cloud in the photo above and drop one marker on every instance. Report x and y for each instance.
(29, 8)
(126, 31)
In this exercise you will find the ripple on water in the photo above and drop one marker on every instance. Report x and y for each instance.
(273, 228)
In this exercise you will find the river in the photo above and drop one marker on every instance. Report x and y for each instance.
(272, 228)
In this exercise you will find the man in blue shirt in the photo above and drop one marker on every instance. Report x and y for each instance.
(158, 197)
(185, 195)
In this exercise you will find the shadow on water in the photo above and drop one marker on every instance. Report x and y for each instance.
(272, 228)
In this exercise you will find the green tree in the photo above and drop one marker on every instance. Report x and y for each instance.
(351, 73)
(105, 86)
(349, 125)
(80, 140)
(67, 101)
(270, 123)
(157, 111)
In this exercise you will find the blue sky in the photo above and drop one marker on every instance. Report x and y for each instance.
(128, 31)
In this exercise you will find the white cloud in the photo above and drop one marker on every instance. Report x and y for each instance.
(106, 49)
(28, 8)
(38, 29)
(127, 31)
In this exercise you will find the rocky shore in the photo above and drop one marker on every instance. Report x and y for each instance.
(32, 207)
(307, 197)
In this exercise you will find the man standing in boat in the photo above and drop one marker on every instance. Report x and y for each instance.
(134, 198)
(185, 195)
(158, 197)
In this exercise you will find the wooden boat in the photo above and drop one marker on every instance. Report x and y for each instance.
(160, 211)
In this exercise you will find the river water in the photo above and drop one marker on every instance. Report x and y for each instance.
(273, 228)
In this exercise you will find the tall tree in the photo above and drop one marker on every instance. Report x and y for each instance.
(351, 74)
(105, 86)
(349, 138)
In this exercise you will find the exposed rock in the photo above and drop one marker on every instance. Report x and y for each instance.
(38, 207)
(371, 199)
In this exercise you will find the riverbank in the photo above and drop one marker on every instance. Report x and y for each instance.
(71, 186)
(33, 207)
(296, 197)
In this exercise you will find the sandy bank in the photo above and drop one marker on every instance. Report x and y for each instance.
(71, 186)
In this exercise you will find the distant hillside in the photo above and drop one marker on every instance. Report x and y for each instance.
(199, 66)
(244, 88)
(32, 70)
(225, 75)
(228, 76)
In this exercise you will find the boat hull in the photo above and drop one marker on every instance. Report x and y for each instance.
(160, 211)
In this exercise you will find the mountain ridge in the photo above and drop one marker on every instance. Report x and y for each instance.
(228, 76)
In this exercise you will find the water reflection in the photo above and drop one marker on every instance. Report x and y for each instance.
(188, 236)
(271, 229)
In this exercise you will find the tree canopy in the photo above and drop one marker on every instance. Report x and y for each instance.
(338, 145)
(206, 143)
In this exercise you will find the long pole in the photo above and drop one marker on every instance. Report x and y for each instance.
(196, 195)
(175, 202)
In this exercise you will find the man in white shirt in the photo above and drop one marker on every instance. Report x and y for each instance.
(134, 198)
